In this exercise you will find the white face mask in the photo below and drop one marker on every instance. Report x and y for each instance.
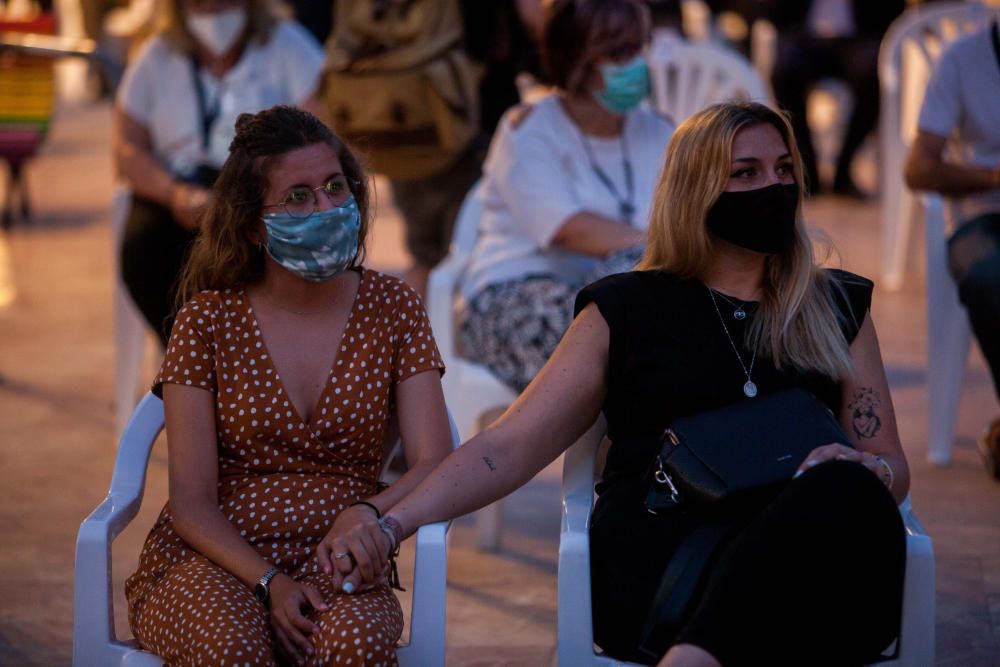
(218, 31)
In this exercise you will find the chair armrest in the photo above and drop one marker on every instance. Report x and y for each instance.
(575, 620)
(93, 603)
(441, 286)
(428, 611)
(917, 627)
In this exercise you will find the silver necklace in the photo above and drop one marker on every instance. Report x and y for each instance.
(740, 312)
(750, 389)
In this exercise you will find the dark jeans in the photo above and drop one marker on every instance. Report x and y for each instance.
(803, 60)
(974, 260)
(814, 577)
(154, 249)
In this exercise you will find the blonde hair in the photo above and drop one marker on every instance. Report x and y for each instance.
(260, 21)
(798, 325)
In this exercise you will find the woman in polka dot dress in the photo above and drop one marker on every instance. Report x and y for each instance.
(282, 371)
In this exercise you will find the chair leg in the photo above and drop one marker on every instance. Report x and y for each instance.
(948, 338)
(7, 221)
(489, 523)
(948, 346)
(130, 336)
(896, 240)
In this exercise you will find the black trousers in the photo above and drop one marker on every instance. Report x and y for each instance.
(153, 252)
(812, 577)
(974, 260)
(802, 60)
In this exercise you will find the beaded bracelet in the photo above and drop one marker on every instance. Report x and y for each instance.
(888, 476)
(378, 514)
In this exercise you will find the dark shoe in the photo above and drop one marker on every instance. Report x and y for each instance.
(989, 447)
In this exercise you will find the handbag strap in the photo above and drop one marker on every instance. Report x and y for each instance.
(677, 587)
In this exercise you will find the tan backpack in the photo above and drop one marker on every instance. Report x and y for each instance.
(399, 86)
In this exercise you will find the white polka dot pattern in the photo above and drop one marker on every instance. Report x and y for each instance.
(282, 481)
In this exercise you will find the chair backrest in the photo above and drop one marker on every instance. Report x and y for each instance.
(909, 50)
(466, 231)
(444, 279)
(688, 77)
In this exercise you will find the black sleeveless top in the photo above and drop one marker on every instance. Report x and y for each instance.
(669, 357)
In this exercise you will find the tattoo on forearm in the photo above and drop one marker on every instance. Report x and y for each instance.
(864, 413)
(489, 463)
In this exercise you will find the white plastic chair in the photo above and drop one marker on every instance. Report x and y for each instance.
(575, 626)
(948, 337)
(909, 50)
(470, 389)
(131, 332)
(687, 77)
(94, 639)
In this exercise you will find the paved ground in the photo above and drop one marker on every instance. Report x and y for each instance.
(57, 445)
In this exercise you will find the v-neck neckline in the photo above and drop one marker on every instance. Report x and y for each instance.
(279, 383)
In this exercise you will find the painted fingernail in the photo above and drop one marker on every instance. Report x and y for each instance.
(798, 474)
(348, 588)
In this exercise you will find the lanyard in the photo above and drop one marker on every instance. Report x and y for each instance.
(626, 209)
(995, 34)
(207, 115)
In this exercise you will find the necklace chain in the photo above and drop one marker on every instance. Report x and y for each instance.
(739, 309)
(750, 389)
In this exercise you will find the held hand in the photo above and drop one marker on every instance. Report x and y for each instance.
(290, 601)
(355, 550)
(839, 452)
(187, 203)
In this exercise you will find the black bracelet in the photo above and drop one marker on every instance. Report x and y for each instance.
(378, 514)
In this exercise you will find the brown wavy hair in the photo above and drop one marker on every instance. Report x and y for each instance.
(799, 325)
(224, 254)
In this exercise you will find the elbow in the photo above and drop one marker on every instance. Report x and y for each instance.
(187, 516)
(919, 173)
(914, 178)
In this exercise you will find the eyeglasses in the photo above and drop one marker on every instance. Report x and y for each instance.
(301, 202)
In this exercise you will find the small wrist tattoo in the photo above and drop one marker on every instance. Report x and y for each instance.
(489, 463)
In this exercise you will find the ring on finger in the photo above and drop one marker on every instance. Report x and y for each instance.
(341, 555)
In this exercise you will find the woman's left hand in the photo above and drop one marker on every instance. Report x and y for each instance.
(838, 452)
(356, 541)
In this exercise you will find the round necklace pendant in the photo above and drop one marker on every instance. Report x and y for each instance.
(740, 314)
(750, 389)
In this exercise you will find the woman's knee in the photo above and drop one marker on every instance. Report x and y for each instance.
(199, 614)
(364, 639)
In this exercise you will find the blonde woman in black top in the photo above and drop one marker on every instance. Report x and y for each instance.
(727, 304)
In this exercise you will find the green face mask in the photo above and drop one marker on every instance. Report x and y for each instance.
(625, 86)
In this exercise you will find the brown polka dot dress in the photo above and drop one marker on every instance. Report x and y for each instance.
(282, 481)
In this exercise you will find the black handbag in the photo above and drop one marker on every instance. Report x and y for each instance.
(753, 445)
(746, 446)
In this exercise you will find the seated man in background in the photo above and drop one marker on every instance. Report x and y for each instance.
(828, 38)
(958, 115)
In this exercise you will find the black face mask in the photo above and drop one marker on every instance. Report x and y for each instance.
(762, 220)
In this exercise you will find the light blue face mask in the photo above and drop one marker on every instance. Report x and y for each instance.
(625, 86)
(319, 247)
